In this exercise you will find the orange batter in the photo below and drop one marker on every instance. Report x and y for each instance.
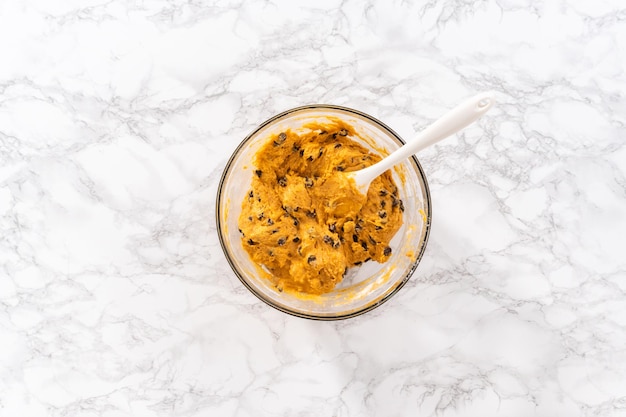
(304, 221)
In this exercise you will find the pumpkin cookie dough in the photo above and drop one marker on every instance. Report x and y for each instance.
(304, 221)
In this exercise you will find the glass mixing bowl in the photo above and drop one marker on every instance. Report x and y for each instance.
(364, 287)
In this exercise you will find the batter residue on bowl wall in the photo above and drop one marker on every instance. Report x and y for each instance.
(304, 221)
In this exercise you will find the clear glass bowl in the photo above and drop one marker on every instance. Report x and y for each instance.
(364, 287)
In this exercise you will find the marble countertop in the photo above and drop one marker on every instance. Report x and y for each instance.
(116, 121)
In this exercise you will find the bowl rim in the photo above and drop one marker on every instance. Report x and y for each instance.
(354, 312)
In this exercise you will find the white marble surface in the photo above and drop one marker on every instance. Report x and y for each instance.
(117, 117)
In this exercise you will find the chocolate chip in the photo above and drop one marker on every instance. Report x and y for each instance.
(340, 168)
(323, 132)
(258, 173)
(311, 258)
(282, 241)
(338, 145)
(301, 152)
(280, 139)
(357, 263)
(372, 241)
(332, 227)
(240, 231)
(295, 147)
(336, 244)
(251, 242)
(394, 202)
(250, 194)
(364, 245)
(270, 222)
(310, 158)
(382, 193)
(274, 231)
(367, 259)
(329, 240)
(345, 271)
(282, 181)
(379, 227)
(320, 152)
(311, 213)
(383, 203)
(260, 216)
(308, 182)
(387, 251)
(382, 214)
(250, 218)
(296, 222)
(401, 205)
(358, 228)
(270, 253)
(343, 132)
(355, 238)
(296, 239)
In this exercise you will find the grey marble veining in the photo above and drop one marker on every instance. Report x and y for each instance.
(117, 118)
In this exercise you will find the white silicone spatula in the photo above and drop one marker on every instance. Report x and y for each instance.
(448, 124)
